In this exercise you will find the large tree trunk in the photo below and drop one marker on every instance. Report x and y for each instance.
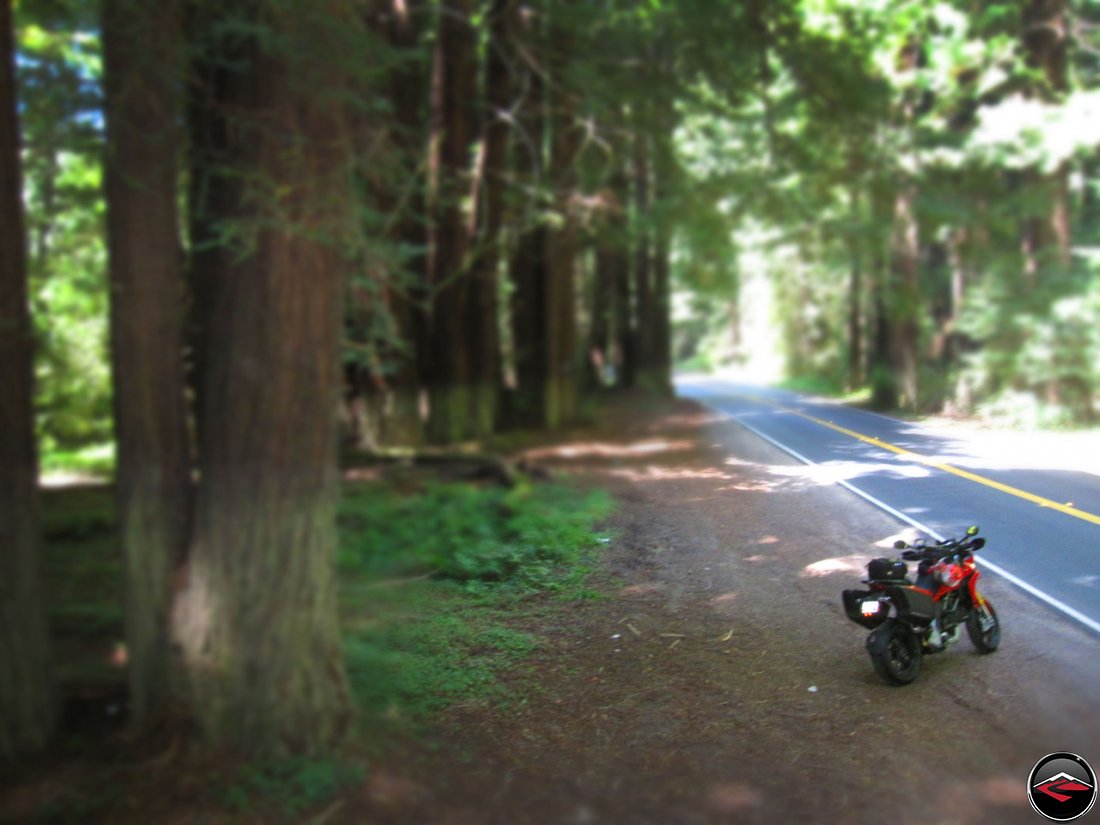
(528, 266)
(27, 695)
(256, 618)
(904, 296)
(643, 289)
(1046, 236)
(152, 482)
(385, 393)
(855, 292)
(484, 287)
(665, 171)
(561, 244)
(448, 367)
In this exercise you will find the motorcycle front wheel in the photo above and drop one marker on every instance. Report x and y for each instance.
(895, 652)
(984, 628)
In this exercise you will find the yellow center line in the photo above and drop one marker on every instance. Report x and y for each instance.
(1068, 509)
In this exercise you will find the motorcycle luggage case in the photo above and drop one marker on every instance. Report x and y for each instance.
(884, 569)
(912, 603)
(853, 600)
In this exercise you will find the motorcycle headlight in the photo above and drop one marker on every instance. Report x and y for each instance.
(949, 575)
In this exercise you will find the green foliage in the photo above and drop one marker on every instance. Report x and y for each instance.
(58, 53)
(523, 537)
(452, 651)
(289, 785)
(415, 646)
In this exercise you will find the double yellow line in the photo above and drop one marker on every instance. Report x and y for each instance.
(1068, 509)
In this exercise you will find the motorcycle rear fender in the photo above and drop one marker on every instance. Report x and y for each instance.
(912, 603)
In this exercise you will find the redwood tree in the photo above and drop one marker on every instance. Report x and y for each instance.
(27, 696)
(448, 363)
(141, 47)
(256, 617)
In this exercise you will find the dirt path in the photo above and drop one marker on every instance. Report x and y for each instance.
(721, 681)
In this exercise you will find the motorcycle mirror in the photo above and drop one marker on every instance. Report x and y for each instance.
(977, 544)
(900, 545)
(972, 530)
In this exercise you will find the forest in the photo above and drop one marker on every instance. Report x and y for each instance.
(237, 237)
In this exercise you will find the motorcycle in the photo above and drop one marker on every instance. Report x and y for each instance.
(909, 619)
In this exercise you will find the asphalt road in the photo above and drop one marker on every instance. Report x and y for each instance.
(1042, 525)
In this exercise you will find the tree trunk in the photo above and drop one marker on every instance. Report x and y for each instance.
(28, 710)
(608, 259)
(448, 369)
(528, 266)
(619, 260)
(905, 296)
(256, 617)
(483, 321)
(152, 483)
(1046, 236)
(643, 292)
(664, 187)
(561, 244)
(855, 293)
(392, 382)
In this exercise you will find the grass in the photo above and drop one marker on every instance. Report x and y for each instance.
(432, 581)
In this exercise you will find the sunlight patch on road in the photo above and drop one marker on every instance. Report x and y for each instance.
(839, 564)
(909, 455)
(607, 450)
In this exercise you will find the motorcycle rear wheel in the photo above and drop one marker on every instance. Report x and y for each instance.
(985, 641)
(895, 652)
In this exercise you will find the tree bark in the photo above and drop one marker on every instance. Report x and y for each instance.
(152, 481)
(389, 388)
(256, 616)
(643, 291)
(448, 369)
(483, 322)
(855, 292)
(528, 266)
(664, 188)
(904, 296)
(561, 243)
(1046, 236)
(28, 710)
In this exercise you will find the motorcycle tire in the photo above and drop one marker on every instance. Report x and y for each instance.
(895, 652)
(985, 641)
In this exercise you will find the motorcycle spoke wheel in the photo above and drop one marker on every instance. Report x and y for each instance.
(896, 655)
(984, 628)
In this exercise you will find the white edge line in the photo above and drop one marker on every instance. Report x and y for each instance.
(1072, 613)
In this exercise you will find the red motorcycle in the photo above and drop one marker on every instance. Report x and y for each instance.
(908, 619)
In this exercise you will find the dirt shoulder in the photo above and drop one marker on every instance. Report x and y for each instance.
(720, 682)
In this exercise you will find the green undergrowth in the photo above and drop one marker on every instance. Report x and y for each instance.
(441, 593)
(432, 585)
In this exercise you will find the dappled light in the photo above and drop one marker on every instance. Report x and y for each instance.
(581, 450)
(731, 798)
(853, 565)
